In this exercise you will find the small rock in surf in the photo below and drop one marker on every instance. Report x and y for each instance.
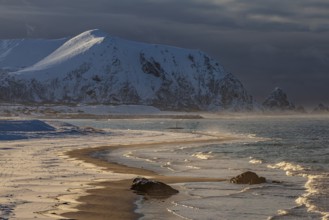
(248, 178)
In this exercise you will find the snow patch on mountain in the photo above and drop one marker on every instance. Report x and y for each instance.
(66, 53)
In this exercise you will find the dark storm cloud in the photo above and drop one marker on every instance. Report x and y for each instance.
(265, 43)
(248, 15)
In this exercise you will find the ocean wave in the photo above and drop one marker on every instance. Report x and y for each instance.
(315, 198)
(291, 169)
(174, 212)
(252, 135)
(255, 161)
(183, 205)
(168, 166)
(131, 155)
(282, 212)
(180, 207)
(203, 155)
(193, 167)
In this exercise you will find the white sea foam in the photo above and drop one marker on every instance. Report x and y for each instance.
(168, 166)
(282, 212)
(255, 161)
(128, 154)
(177, 210)
(314, 187)
(184, 206)
(251, 135)
(290, 168)
(203, 155)
(176, 214)
(193, 167)
(131, 155)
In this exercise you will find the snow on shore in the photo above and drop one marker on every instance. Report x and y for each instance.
(38, 181)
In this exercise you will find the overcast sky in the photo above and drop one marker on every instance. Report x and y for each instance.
(265, 43)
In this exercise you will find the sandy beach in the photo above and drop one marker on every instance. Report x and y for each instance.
(55, 177)
(73, 173)
(114, 199)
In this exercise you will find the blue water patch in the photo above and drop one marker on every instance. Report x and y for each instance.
(22, 129)
(11, 137)
(25, 125)
(28, 129)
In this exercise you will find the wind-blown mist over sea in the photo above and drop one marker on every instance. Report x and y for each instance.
(290, 150)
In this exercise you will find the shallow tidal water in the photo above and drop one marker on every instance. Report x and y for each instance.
(292, 150)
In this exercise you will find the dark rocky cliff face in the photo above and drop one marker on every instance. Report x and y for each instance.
(233, 94)
(227, 93)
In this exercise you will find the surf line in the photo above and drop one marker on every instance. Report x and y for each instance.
(103, 198)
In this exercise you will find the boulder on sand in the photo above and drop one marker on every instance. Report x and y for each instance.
(248, 178)
(152, 188)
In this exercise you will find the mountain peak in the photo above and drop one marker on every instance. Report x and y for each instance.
(73, 48)
(279, 91)
(95, 33)
(278, 100)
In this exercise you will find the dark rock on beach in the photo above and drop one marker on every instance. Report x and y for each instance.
(248, 178)
(152, 188)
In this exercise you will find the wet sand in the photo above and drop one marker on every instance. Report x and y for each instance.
(114, 199)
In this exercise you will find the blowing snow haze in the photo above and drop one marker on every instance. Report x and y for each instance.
(264, 43)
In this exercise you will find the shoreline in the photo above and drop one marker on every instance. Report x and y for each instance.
(114, 199)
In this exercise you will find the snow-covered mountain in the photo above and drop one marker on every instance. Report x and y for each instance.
(95, 67)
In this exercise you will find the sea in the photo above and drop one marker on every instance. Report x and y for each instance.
(291, 152)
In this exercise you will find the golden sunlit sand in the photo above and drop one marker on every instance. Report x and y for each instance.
(45, 178)
(114, 199)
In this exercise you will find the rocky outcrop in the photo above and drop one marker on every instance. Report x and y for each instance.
(278, 101)
(321, 108)
(152, 188)
(248, 178)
